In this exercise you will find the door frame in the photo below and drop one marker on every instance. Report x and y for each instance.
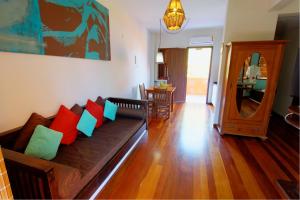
(209, 73)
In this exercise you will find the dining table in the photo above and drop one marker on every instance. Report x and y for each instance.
(171, 90)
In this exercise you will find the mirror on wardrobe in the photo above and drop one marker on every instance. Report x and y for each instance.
(251, 84)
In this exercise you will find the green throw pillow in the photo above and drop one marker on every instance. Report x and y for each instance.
(43, 143)
(87, 123)
(110, 110)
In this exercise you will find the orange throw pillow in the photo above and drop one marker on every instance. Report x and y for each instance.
(96, 110)
(66, 122)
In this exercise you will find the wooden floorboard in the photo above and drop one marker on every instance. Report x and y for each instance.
(185, 158)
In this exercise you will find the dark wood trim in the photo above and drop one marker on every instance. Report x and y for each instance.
(28, 181)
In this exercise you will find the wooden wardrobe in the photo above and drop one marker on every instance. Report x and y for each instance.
(250, 81)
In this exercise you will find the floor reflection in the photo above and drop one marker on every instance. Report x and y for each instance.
(196, 99)
(195, 127)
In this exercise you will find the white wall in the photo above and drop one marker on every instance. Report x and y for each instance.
(151, 57)
(182, 40)
(250, 20)
(35, 83)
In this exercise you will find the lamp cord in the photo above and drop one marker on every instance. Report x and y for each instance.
(159, 34)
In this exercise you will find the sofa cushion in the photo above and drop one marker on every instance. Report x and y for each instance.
(87, 123)
(110, 110)
(28, 129)
(66, 122)
(96, 111)
(89, 155)
(44, 143)
(77, 109)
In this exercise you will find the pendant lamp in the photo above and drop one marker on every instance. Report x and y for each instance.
(174, 16)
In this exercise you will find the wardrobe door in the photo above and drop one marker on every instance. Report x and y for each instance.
(177, 60)
(252, 79)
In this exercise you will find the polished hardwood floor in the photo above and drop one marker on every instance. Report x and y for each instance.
(184, 157)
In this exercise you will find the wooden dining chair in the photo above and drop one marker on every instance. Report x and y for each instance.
(162, 103)
(144, 96)
(143, 91)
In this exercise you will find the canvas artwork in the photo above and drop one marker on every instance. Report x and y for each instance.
(70, 28)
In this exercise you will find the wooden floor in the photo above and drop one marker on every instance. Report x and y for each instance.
(186, 158)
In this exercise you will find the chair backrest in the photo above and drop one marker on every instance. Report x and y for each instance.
(142, 91)
(161, 96)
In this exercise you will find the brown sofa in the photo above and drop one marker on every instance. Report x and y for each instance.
(78, 169)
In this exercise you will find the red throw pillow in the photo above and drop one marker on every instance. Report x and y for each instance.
(66, 122)
(96, 110)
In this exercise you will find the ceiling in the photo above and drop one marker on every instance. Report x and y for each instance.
(201, 13)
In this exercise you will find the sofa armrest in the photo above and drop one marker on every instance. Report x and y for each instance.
(27, 161)
(141, 105)
(39, 179)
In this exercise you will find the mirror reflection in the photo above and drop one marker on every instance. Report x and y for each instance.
(251, 84)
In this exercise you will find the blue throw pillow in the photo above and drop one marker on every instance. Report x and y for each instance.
(87, 123)
(110, 110)
(44, 143)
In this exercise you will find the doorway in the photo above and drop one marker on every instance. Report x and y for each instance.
(199, 64)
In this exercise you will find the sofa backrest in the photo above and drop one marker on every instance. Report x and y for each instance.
(127, 108)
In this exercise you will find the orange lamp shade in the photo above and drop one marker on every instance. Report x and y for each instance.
(174, 16)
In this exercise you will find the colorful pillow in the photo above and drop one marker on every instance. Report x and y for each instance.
(95, 110)
(44, 143)
(110, 110)
(28, 129)
(77, 109)
(87, 123)
(100, 101)
(66, 122)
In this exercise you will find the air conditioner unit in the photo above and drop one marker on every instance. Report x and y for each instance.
(202, 41)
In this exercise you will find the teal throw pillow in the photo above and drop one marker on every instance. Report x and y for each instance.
(87, 123)
(44, 143)
(110, 110)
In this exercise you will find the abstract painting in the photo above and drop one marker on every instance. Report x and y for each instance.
(70, 28)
